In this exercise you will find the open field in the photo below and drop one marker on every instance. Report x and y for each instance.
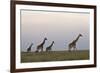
(54, 56)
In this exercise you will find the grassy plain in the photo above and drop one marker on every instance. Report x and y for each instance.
(54, 56)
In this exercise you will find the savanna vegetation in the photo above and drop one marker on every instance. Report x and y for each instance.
(54, 56)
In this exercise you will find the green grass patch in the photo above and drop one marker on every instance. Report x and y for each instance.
(54, 56)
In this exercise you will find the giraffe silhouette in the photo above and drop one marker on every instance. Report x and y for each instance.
(49, 48)
(29, 48)
(40, 46)
(73, 43)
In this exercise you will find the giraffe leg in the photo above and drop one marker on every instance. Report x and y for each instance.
(75, 49)
(37, 50)
(41, 49)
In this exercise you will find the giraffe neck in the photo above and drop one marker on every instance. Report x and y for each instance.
(30, 46)
(51, 44)
(43, 42)
(77, 38)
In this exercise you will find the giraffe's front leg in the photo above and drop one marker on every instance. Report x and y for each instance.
(75, 49)
(41, 49)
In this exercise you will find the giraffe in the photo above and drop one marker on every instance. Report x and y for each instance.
(50, 47)
(29, 48)
(73, 43)
(41, 46)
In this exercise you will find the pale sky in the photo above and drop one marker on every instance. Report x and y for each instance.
(61, 27)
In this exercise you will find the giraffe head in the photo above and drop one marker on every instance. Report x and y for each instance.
(53, 42)
(80, 35)
(45, 38)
